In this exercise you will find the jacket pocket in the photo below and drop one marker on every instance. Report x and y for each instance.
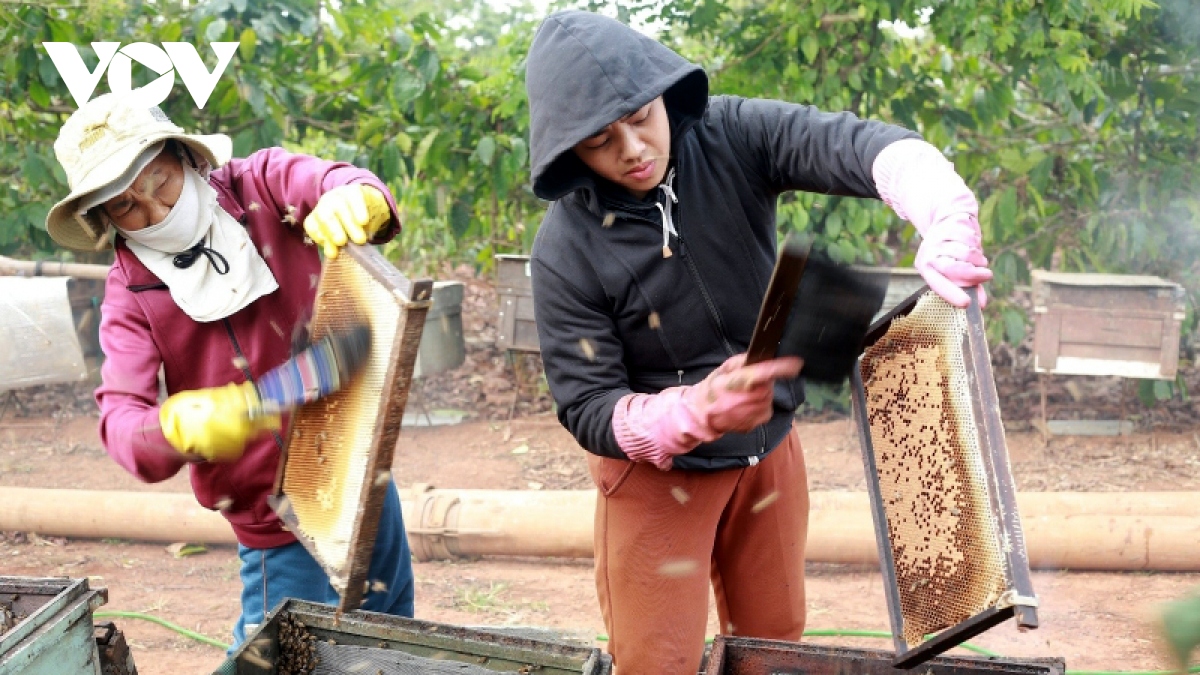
(609, 474)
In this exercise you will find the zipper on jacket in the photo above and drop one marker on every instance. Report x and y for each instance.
(708, 301)
(631, 215)
(237, 349)
(760, 431)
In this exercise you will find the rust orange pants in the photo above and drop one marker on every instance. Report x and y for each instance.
(662, 536)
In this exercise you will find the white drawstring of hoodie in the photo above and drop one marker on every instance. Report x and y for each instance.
(668, 223)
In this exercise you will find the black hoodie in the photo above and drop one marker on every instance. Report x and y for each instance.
(613, 315)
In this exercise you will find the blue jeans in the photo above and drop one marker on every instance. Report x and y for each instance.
(272, 574)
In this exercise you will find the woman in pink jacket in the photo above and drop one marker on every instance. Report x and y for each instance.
(212, 273)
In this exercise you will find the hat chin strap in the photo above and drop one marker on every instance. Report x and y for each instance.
(95, 229)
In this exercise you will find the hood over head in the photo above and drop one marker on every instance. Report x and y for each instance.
(584, 71)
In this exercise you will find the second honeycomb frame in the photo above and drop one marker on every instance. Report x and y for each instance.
(366, 441)
(1018, 601)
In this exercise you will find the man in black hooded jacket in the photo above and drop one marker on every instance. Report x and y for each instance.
(648, 272)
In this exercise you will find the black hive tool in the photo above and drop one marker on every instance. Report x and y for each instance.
(818, 310)
(325, 366)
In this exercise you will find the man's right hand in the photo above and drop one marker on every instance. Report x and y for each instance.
(214, 424)
(737, 397)
(655, 428)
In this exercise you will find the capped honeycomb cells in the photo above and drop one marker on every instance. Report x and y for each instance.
(948, 558)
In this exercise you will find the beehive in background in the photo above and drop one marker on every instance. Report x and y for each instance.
(951, 547)
(517, 330)
(335, 472)
(1106, 324)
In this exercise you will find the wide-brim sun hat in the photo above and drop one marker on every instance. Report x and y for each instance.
(98, 144)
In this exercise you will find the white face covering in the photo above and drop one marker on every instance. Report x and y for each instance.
(203, 255)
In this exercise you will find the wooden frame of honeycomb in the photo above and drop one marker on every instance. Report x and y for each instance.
(334, 475)
(942, 495)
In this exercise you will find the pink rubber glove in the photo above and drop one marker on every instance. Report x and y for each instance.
(656, 427)
(922, 187)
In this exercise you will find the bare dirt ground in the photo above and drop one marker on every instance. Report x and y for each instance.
(1096, 621)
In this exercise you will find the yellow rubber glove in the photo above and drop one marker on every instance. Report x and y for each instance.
(215, 423)
(352, 212)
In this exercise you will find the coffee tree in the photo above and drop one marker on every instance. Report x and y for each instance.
(1074, 120)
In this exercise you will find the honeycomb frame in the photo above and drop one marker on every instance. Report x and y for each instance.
(953, 555)
(334, 472)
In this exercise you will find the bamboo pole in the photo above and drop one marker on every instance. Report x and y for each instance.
(1080, 531)
(105, 514)
(51, 268)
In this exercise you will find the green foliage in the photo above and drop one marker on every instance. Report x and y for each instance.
(1181, 627)
(438, 113)
(1074, 120)
(1153, 392)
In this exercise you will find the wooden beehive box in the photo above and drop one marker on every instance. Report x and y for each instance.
(1106, 324)
(751, 656)
(514, 286)
(297, 632)
(53, 630)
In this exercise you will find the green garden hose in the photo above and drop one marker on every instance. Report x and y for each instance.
(165, 624)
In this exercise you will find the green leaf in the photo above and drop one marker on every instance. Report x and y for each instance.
(427, 65)
(987, 217)
(244, 142)
(269, 133)
(520, 152)
(170, 32)
(406, 85)
(859, 222)
(246, 44)
(1145, 393)
(404, 142)
(389, 162)
(810, 47)
(460, 218)
(1181, 627)
(35, 172)
(485, 150)
(1006, 214)
(1014, 325)
(36, 213)
(1019, 162)
(39, 94)
(183, 550)
(403, 40)
(833, 225)
(1163, 391)
(1036, 197)
(423, 150)
(345, 152)
(62, 31)
(843, 252)
(47, 73)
